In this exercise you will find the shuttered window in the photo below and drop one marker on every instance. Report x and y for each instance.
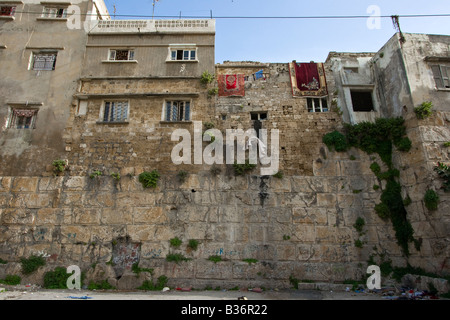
(440, 75)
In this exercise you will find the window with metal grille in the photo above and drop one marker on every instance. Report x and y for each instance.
(121, 55)
(440, 75)
(115, 111)
(317, 104)
(44, 61)
(23, 118)
(7, 10)
(54, 12)
(178, 111)
(183, 54)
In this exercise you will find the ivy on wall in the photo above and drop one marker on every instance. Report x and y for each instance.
(381, 137)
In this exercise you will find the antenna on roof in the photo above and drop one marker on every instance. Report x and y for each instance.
(154, 3)
(114, 6)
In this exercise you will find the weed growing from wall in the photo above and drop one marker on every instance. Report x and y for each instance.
(241, 169)
(431, 200)
(32, 264)
(424, 110)
(444, 172)
(56, 279)
(149, 179)
(380, 137)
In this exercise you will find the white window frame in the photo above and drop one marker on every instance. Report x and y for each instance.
(313, 108)
(46, 63)
(182, 105)
(54, 12)
(112, 55)
(106, 107)
(441, 73)
(187, 52)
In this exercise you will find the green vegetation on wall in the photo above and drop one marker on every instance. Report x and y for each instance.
(380, 137)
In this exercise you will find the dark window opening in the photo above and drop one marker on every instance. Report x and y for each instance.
(258, 116)
(362, 101)
(317, 104)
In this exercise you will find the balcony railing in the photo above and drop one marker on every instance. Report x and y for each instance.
(145, 26)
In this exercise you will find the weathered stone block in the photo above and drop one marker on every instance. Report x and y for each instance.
(5, 184)
(152, 215)
(75, 183)
(327, 200)
(75, 234)
(211, 270)
(325, 168)
(119, 215)
(303, 233)
(86, 216)
(24, 184)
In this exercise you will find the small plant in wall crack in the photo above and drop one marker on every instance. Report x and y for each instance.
(443, 171)
(424, 110)
(175, 242)
(431, 199)
(206, 77)
(95, 174)
(116, 176)
(149, 179)
(59, 166)
(182, 176)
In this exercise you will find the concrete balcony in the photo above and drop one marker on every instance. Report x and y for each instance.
(153, 26)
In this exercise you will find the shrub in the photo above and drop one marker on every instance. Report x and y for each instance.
(206, 77)
(382, 210)
(240, 169)
(193, 244)
(176, 257)
(148, 285)
(175, 242)
(32, 264)
(215, 258)
(279, 175)
(431, 200)
(103, 285)
(335, 140)
(11, 280)
(359, 224)
(444, 172)
(424, 110)
(149, 179)
(56, 279)
(250, 261)
(404, 144)
(182, 175)
(59, 165)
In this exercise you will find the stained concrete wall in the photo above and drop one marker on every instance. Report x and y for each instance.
(26, 152)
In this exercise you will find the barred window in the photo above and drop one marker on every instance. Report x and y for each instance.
(178, 111)
(23, 118)
(115, 111)
(44, 61)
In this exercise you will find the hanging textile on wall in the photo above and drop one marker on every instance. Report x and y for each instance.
(258, 75)
(231, 85)
(308, 79)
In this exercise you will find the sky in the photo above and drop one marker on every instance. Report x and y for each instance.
(303, 40)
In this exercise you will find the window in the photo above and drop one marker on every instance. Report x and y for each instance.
(317, 104)
(54, 12)
(362, 101)
(350, 70)
(183, 54)
(121, 55)
(258, 115)
(178, 111)
(7, 11)
(440, 75)
(115, 111)
(43, 61)
(23, 118)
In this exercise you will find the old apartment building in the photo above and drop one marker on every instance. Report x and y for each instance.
(107, 97)
(40, 67)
